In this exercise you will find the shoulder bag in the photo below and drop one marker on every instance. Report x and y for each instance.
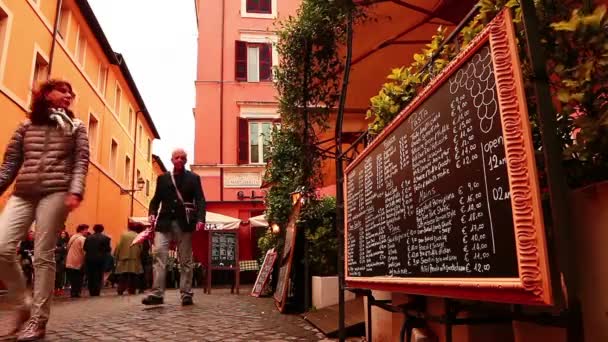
(188, 206)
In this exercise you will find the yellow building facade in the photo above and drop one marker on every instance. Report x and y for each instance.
(63, 39)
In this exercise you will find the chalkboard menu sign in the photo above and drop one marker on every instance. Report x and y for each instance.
(264, 273)
(223, 249)
(223, 254)
(447, 196)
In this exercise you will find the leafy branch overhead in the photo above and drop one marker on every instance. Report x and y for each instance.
(576, 44)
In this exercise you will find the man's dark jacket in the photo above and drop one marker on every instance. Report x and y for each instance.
(165, 198)
(97, 247)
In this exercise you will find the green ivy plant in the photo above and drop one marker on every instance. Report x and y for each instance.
(577, 50)
(579, 74)
(285, 173)
(308, 80)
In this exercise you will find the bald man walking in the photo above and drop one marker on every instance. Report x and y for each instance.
(179, 196)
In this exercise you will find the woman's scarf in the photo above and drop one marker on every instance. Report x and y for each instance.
(60, 116)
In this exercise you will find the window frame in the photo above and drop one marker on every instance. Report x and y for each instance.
(64, 19)
(140, 133)
(117, 99)
(259, 10)
(38, 58)
(245, 136)
(149, 150)
(93, 141)
(6, 20)
(130, 118)
(113, 160)
(102, 81)
(243, 60)
(128, 170)
(80, 52)
(253, 14)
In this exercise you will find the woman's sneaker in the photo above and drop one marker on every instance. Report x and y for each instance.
(34, 330)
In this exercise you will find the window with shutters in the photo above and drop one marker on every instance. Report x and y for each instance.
(254, 136)
(253, 61)
(259, 6)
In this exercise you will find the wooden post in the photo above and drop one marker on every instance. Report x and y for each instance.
(209, 267)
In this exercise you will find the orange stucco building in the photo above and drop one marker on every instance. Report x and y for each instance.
(63, 39)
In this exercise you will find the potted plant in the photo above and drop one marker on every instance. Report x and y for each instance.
(318, 223)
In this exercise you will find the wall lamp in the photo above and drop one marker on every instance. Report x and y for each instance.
(140, 186)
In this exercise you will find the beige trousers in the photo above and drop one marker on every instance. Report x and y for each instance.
(161, 253)
(50, 213)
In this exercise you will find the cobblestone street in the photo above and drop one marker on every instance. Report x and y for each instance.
(217, 317)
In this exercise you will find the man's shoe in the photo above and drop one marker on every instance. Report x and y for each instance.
(153, 300)
(187, 300)
(34, 330)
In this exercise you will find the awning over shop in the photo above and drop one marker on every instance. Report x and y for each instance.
(258, 221)
(142, 220)
(394, 31)
(217, 221)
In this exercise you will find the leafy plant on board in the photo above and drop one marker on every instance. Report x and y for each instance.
(575, 40)
(318, 222)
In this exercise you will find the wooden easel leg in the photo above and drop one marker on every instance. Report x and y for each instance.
(238, 281)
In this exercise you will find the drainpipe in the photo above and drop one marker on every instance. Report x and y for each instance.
(340, 180)
(55, 33)
(134, 163)
(222, 105)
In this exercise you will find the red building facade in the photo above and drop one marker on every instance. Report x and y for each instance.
(236, 107)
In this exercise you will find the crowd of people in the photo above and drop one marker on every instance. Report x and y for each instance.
(86, 259)
(128, 269)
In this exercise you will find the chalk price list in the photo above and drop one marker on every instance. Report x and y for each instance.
(426, 200)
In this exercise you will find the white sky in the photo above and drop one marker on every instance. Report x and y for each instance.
(158, 39)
